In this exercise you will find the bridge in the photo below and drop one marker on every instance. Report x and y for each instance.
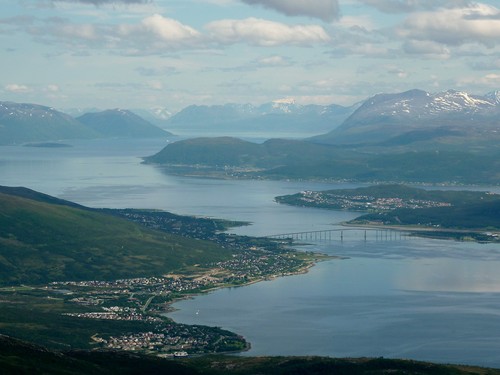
(372, 234)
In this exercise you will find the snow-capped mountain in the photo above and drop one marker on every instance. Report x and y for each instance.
(23, 122)
(279, 117)
(423, 104)
(384, 116)
(493, 97)
(155, 115)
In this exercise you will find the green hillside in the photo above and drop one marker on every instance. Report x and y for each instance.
(280, 158)
(471, 216)
(229, 151)
(41, 242)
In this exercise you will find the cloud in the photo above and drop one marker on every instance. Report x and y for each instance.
(272, 61)
(478, 23)
(17, 88)
(265, 33)
(397, 72)
(486, 65)
(491, 80)
(427, 48)
(52, 88)
(326, 10)
(157, 34)
(406, 6)
(164, 29)
(152, 35)
(104, 2)
(153, 72)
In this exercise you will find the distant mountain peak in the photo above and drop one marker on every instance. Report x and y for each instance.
(284, 101)
(384, 116)
(121, 123)
(25, 122)
(282, 115)
(493, 96)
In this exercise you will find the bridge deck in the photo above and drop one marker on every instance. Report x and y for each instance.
(342, 234)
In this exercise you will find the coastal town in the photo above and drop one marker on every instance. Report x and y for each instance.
(332, 200)
(146, 300)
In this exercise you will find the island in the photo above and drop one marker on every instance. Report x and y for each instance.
(47, 145)
(457, 214)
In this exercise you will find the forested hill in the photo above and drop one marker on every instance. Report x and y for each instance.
(43, 239)
(281, 158)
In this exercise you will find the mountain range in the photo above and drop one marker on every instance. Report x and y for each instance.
(23, 122)
(283, 116)
(413, 117)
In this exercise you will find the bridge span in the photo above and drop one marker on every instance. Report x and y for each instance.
(371, 234)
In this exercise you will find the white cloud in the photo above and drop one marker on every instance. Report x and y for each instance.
(157, 71)
(491, 80)
(103, 2)
(326, 10)
(265, 33)
(157, 34)
(478, 23)
(273, 61)
(359, 21)
(52, 88)
(155, 85)
(153, 34)
(168, 29)
(17, 88)
(405, 6)
(427, 48)
(82, 31)
(397, 72)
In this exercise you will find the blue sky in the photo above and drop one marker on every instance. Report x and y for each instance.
(161, 53)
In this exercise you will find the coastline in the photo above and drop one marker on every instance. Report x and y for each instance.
(302, 270)
(315, 258)
(444, 233)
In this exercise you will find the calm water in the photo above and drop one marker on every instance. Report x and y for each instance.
(406, 298)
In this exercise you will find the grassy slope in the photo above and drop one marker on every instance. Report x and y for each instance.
(42, 242)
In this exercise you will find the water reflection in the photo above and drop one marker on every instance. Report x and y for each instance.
(450, 275)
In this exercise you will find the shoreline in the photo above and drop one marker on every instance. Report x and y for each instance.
(193, 171)
(301, 271)
(416, 230)
(316, 258)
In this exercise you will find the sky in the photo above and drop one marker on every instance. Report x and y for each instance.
(173, 53)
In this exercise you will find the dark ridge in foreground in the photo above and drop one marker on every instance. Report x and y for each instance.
(18, 357)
